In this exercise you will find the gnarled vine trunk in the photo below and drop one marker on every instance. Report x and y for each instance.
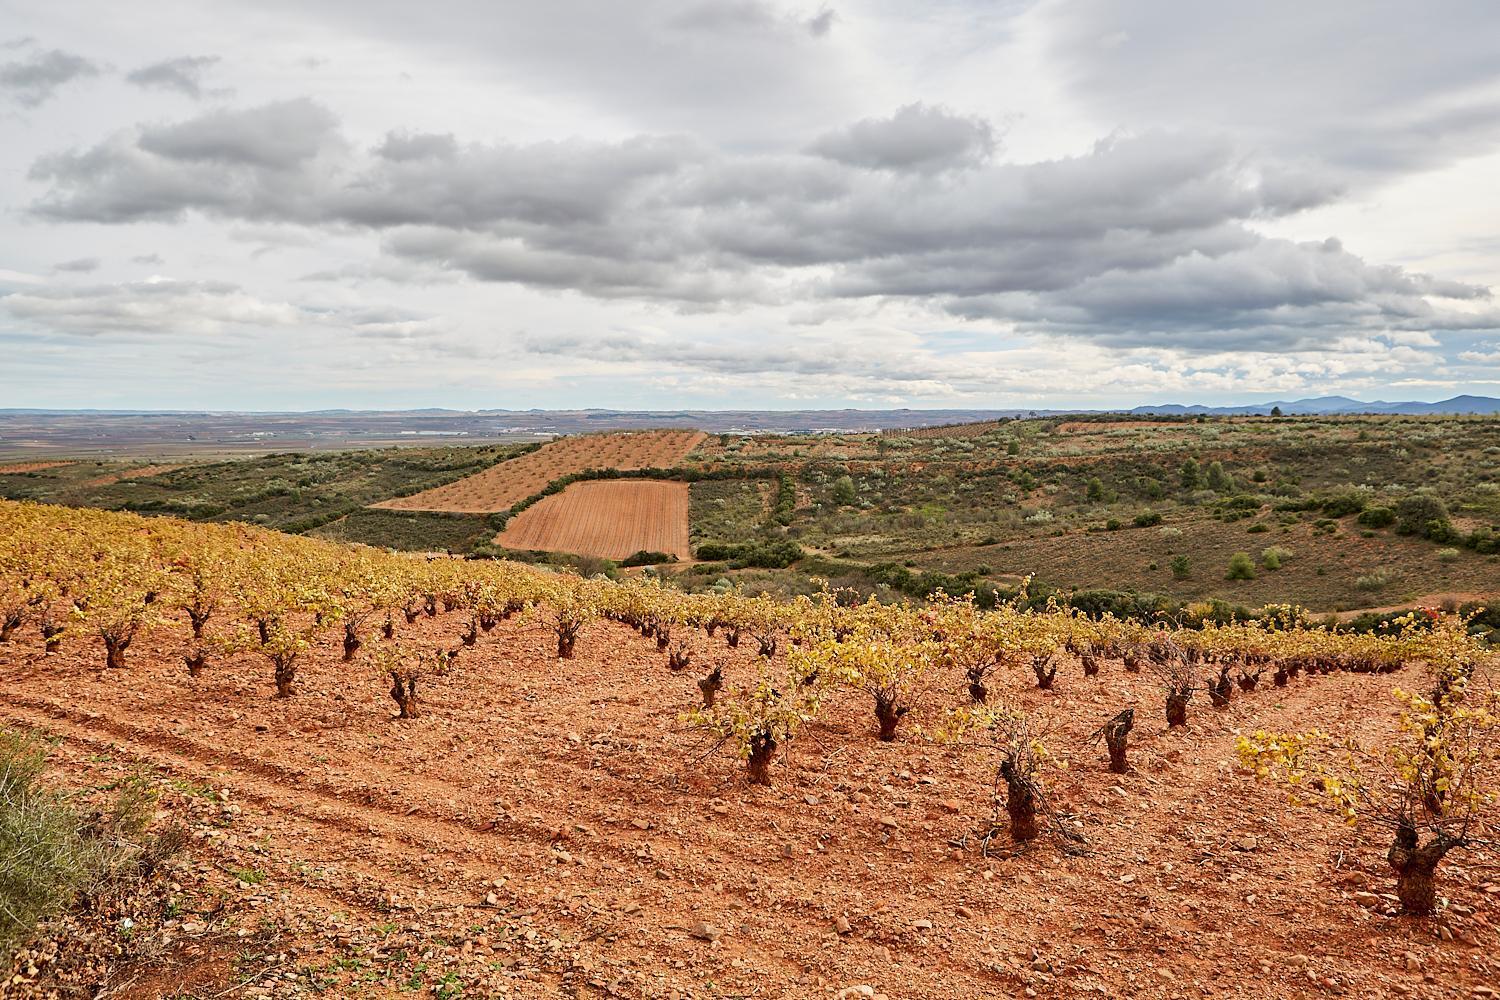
(1045, 673)
(51, 636)
(1020, 803)
(711, 686)
(199, 618)
(1117, 739)
(1415, 865)
(888, 714)
(758, 764)
(286, 674)
(351, 641)
(1177, 704)
(114, 650)
(404, 691)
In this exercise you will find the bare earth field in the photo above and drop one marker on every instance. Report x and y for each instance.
(612, 519)
(142, 472)
(499, 487)
(550, 828)
(16, 468)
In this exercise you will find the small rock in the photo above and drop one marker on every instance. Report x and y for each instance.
(1248, 843)
(922, 925)
(841, 925)
(705, 931)
(965, 912)
(890, 821)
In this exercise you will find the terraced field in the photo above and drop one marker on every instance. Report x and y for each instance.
(501, 486)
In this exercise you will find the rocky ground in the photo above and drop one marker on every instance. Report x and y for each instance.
(552, 828)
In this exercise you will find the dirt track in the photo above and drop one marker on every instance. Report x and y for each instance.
(549, 825)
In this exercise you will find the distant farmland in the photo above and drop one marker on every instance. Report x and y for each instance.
(609, 518)
(501, 486)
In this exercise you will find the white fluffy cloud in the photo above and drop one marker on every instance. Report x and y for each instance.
(773, 199)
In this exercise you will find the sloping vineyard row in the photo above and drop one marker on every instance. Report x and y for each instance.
(119, 579)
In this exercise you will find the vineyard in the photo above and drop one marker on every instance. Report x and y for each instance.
(501, 486)
(482, 776)
(611, 519)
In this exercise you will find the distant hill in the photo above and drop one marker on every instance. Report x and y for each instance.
(1331, 405)
(164, 433)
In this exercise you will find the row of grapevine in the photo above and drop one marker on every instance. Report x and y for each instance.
(115, 579)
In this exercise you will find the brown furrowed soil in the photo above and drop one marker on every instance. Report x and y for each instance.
(501, 486)
(141, 472)
(612, 519)
(18, 468)
(551, 828)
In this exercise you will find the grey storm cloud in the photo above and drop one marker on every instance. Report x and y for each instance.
(917, 137)
(183, 74)
(1147, 237)
(1373, 87)
(274, 137)
(33, 80)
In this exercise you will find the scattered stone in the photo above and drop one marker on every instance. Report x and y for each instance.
(705, 931)
(1247, 843)
(841, 925)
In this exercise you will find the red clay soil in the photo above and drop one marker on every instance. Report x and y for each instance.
(17, 468)
(502, 485)
(550, 827)
(137, 473)
(611, 519)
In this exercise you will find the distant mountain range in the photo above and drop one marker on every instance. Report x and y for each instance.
(715, 418)
(169, 432)
(1335, 404)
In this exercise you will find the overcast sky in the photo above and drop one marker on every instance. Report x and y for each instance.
(746, 203)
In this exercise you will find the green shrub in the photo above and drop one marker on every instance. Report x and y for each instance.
(1273, 557)
(1377, 517)
(760, 555)
(1241, 567)
(1148, 519)
(844, 492)
(646, 558)
(1182, 567)
(1415, 514)
(51, 852)
(1448, 555)
(1375, 580)
(1343, 505)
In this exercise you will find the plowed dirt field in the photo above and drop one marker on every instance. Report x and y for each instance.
(612, 519)
(551, 828)
(500, 486)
